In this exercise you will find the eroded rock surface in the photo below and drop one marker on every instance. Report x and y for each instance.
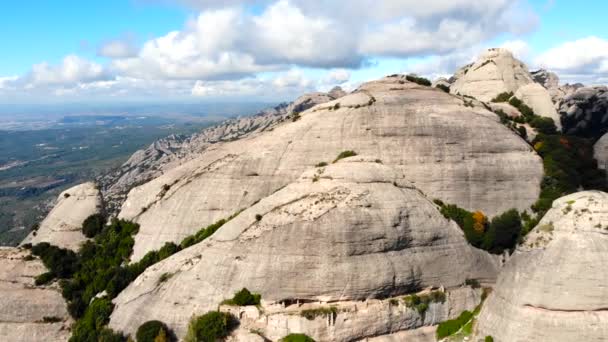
(496, 71)
(62, 227)
(450, 151)
(600, 150)
(372, 319)
(554, 287)
(29, 313)
(353, 230)
(585, 112)
(538, 98)
(170, 152)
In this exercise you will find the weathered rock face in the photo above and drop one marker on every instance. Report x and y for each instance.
(495, 72)
(24, 306)
(538, 98)
(585, 112)
(355, 320)
(167, 153)
(63, 225)
(349, 231)
(554, 287)
(547, 79)
(456, 153)
(601, 152)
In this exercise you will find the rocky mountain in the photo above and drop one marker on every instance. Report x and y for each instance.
(62, 227)
(361, 216)
(585, 112)
(450, 151)
(497, 71)
(167, 153)
(350, 231)
(553, 287)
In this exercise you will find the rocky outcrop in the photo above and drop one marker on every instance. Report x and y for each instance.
(600, 151)
(353, 230)
(585, 112)
(496, 71)
(538, 98)
(554, 287)
(170, 152)
(63, 225)
(547, 79)
(27, 312)
(450, 151)
(356, 320)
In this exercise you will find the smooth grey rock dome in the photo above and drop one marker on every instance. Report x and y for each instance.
(349, 231)
(456, 153)
(554, 287)
(62, 227)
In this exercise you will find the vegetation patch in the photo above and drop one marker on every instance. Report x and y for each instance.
(345, 154)
(452, 326)
(418, 80)
(244, 298)
(321, 164)
(443, 87)
(311, 314)
(421, 302)
(500, 234)
(210, 327)
(93, 225)
(154, 331)
(297, 338)
(503, 97)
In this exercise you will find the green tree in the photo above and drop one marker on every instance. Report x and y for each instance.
(210, 327)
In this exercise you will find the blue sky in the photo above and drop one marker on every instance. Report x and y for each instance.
(205, 50)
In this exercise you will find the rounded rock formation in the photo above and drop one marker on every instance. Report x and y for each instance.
(538, 98)
(496, 71)
(63, 225)
(600, 152)
(457, 153)
(349, 231)
(585, 112)
(554, 286)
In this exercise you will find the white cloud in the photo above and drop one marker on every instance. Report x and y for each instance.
(118, 48)
(519, 48)
(73, 69)
(230, 43)
(584, 56)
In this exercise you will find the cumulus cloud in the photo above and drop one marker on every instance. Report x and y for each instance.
(230, 43)
(72, 69)
(118, 48)
(582, 60)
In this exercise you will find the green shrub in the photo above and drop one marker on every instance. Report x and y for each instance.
(450, 327)
(297, 338)
(503, 232)
(210, 327)
(443, 87)
(489, 339)
(543, 125)
(51, 319)
(474, 283)
(258, 217)
(93, 225)
(90, 326)
(109, 335)
(149, 331)
(311, 314)
(419, 80)
(244, 298)
(321, 164)
(345, 154)
(44, 278)
(503, 97)
(62, 263)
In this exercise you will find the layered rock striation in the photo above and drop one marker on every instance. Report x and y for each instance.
(450, 151)
(349, 231)
(28, 312)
